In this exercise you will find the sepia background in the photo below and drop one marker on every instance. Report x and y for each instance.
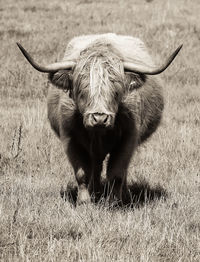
(36, 224)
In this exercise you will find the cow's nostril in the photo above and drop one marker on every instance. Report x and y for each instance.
(105, 119)
(95, 117)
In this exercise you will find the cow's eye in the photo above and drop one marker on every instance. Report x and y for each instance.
(133, 84)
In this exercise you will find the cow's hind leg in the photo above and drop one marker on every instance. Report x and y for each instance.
(79, 160)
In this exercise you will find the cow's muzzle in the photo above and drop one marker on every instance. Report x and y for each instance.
(99, 120)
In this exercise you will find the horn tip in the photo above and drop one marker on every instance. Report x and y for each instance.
(18, 44)
(20, 47)
(179, 48)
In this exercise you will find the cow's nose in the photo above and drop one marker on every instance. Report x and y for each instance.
(100, 119)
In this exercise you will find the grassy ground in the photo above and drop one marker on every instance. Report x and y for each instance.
(35, 223)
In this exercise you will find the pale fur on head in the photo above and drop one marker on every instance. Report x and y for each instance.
(99, 75)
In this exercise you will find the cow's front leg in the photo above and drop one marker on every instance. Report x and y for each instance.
(95, 179)
(118, 167)
(82, 180)
(80, 162)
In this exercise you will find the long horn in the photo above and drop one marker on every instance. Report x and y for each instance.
(51, 68)
(149, 70)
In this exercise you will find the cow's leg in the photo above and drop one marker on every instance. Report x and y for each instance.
(95, 179)
(118, 166)
(80, 162)
(117, 178)
(82, 180)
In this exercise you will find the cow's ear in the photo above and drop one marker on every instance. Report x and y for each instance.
(62, 79)
(134, 81)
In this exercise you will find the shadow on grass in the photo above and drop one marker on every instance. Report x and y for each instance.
(140, 193)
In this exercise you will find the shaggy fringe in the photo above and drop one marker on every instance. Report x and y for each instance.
(100, 70)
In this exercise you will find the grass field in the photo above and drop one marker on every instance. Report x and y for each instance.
(36, 224)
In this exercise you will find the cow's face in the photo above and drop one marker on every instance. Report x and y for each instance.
(98, 86)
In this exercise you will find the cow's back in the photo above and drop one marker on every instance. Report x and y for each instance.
(132, 49)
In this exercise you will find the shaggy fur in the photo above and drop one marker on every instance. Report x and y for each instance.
(98, 84)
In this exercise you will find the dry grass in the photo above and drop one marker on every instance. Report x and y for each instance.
(36, 224)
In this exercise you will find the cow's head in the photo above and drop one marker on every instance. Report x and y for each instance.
(97, 81)
(98, 85)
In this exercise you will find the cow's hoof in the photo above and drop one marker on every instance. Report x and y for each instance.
(126, 198)
(83, 197)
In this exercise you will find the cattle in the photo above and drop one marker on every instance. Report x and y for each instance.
(104, 101)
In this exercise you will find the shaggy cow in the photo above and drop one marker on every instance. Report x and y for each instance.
(112, 105)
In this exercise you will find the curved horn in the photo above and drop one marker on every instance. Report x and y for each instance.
(51, 68)
(149, 70)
